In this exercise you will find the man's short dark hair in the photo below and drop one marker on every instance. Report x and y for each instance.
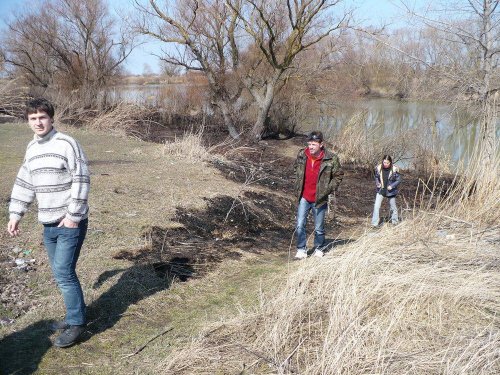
(39, 105)
(315, 136)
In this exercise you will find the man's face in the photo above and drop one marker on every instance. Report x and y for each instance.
(40, 123)
(314, 147)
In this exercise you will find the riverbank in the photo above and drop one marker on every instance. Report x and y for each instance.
(238, 198)
(178, 242)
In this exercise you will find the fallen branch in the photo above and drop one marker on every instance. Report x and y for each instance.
(258, 355)
(146, 344)
(285, 362)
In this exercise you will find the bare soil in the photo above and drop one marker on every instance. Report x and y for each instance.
(260, 219)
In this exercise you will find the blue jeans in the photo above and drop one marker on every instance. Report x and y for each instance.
(376, 210)
(63, 247)
(319, 223)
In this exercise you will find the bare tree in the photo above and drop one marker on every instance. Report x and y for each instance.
(280, 32)
(239, 43)
(71, 44)
(464, 60)
(168, 69)
(204, 34)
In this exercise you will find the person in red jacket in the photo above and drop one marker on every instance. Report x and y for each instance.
(318, 174)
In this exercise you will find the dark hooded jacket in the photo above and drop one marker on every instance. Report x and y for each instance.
(329, 178)
(393, 181)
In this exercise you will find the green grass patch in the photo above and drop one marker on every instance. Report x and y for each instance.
(134, 186)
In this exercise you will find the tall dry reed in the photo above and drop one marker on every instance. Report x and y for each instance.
(419, 298)
(418, 147)
(189, 147)
(124, 119)
(390, 304)
(13, 97)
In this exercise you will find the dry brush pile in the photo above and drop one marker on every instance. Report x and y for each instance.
(419, 298)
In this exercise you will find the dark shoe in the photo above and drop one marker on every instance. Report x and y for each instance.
(58, 325)
(69, 336)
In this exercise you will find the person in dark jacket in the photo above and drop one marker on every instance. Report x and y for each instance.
(318, 174)
(387, 180)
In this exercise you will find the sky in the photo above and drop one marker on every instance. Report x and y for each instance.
(371, 12)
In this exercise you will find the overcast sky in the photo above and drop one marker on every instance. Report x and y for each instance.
(372, 12)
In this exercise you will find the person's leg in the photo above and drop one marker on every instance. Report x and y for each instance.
(319, 226)
(65, 257)
(394, 210)
(50, 242)
(302, 212)
(376, 210)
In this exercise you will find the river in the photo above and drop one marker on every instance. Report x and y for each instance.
(455, 132)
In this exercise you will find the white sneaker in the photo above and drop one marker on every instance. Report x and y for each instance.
(301, 254)
(318, 253)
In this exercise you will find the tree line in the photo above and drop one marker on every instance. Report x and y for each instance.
(264, 59)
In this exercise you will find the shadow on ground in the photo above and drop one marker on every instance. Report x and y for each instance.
(206, 238)
(252, 223)
(22, 351)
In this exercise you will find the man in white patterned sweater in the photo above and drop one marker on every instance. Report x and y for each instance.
(55, 172)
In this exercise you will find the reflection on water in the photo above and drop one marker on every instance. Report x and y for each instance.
(142, 94)
(455, 131)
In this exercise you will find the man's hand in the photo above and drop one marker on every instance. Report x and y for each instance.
(379, 185)
(67, 223)
(389, 187)
(13, 228)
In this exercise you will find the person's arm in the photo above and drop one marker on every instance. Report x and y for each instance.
(297, 169)
(80, 186)
(337, 174)
(397, 180)
(23, 194)
(378, 184)
(296, 165)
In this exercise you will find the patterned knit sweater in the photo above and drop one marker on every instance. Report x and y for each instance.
(54, 172)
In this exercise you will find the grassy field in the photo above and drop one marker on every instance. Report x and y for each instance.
(419, 298)
(135, 185)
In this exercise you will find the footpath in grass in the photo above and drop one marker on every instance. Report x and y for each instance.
(174, 244)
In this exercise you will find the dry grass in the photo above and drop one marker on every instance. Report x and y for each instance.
(124, 119)
(420, 298)
(13, 96)
(355, 144)
(474, 197)
(190, 147)
(389, 304)
(418, 147)
(133, 188)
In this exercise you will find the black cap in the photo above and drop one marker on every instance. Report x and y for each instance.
(315, 136)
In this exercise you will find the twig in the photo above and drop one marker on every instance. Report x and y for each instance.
(449, 217)
(146, 344)
(292, 353)
(268, 360)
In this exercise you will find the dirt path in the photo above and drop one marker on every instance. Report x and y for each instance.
(247, 221)
(261, 218)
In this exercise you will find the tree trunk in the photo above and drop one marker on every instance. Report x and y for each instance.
(228, 119)
(260, 125)
(488, 138)
(488, 102)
